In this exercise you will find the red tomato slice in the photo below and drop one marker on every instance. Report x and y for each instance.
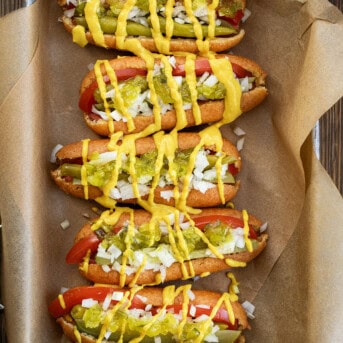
(74, 296)
(233, 169)
(87, 96)
(201, 222)
(240, 72)
(201, 66)
(80, 249)
(235, 21)
(86, 100)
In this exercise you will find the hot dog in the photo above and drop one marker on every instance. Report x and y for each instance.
(160, 250)
(156, 25)
(204, 97)
(184, 169)
(106, 314)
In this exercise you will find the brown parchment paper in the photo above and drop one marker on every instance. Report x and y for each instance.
(294, 284)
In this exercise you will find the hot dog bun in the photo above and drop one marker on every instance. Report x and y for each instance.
(211, 111)
(195, 198)
(96, 273)
(154, 298)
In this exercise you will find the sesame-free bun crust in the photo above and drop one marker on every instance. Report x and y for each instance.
(195, 198)
(217, 44)
(96, 274)
(154, 297)
(211, 111)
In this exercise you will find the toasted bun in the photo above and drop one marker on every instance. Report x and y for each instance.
(96, 274)
(154, 297)
(211, 111)
(176, 44)
(195, 198)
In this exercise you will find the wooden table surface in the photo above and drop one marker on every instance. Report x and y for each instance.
(330, 134)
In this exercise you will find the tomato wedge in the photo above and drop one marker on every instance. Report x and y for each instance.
(235, 21)
(201, 222)
(87, 96)
(233, 169)
(74, 296)
(203, 65)
(91, 242)
(221, 315)
(86, 100)
(80, 249)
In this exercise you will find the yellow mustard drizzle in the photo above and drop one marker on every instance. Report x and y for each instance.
(212, 19)
(138, 272)
(175, 94)
(204, 274)
(233, 287)
(121, 32)
(111, 218)
(233, 263)
(84, 181)
(248, 242)
(85, 263)
(192, 83)
(203, 46)
(169, 20)
(126, 253)
(222, 69)
(185, 305)
(219, 179)
(79, 35)
(162, 43)
(61, 301)
(119, 99)
(102, 89)
(77, 334)
(92, 19)
(169, 294)
(110, 315)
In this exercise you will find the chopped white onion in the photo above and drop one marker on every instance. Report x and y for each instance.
(249, 309)
(240, 144)
(65, 224)
(69, 13)
(263, 227)
(63, 289)
(191, 295)
(192, 310)
(117, 296)
(246, 15)
(211, 81)
(107, 302)
(73, 2)
(202, 186)
(238, 131)
(167, 195)
(105, 268)
(143, 299)
(87, 303)
(54, 151)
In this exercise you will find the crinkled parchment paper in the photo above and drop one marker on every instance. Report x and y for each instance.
(295, 284)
